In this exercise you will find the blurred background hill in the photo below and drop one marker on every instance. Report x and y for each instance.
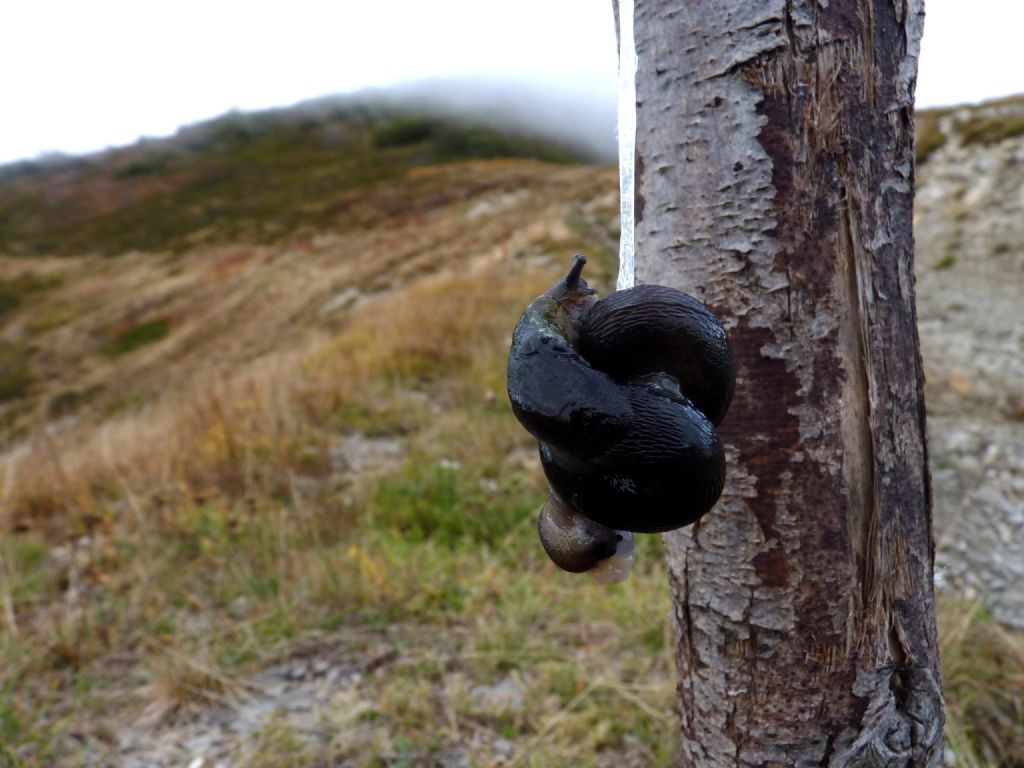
(261, 497)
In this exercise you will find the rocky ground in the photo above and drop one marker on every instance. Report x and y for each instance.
(323, 696)
(970, 278)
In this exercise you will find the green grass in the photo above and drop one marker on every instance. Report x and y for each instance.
(946, 262)
(411, 564)
(433, 501)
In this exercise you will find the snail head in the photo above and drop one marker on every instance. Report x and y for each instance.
(578, 544)
(572, 293)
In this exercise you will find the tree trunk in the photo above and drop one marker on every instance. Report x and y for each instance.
(775, 181)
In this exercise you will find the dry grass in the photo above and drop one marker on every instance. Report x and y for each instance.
(983, 670)
(253, 311)
(247, 435)
(182, 684)
(227, 306)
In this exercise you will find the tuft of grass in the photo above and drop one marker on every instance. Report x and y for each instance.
(946, 262)
(278, 744)
(183, 683)
(135, 336)
(983, 676)
(52, 315)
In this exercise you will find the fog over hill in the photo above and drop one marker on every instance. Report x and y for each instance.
(579, 117)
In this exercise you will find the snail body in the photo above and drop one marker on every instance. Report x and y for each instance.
(654, 330)
(623, 396)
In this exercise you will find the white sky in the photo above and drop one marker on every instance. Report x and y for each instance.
(79, 75)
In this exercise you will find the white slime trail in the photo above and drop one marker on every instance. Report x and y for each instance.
(616, 568)
(627, 144)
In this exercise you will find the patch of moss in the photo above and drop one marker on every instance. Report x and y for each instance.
(135, 336)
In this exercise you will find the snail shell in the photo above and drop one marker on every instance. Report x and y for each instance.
(623, 396)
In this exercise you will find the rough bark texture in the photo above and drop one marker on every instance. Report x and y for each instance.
(775, 182)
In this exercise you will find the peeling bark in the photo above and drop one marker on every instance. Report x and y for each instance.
(775, 182)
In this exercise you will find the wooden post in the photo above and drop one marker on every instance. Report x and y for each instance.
(775, 181)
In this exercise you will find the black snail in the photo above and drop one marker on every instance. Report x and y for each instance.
(624, 395)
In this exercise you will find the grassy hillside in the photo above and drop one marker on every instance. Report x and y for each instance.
(203, 225)
(243, 177)
(254, 418)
